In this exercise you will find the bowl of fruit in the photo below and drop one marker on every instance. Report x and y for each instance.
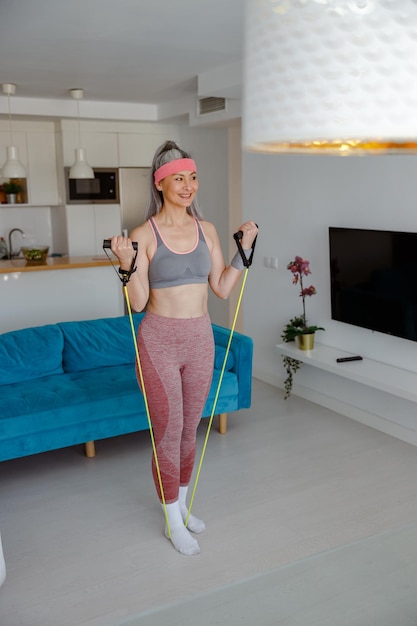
(35, 255)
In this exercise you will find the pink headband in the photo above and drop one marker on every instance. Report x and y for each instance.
(173, 167)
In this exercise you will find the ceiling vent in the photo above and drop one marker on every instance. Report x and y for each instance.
(211, 105)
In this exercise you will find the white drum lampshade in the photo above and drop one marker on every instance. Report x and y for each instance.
(13, 168)
(330, 76)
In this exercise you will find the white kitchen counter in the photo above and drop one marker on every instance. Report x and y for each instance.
(53, 263)
(34, 295)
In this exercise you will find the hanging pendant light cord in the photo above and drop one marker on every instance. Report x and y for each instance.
(10, 120)
(78, 123)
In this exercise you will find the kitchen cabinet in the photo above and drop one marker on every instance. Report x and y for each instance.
(42, 174)
(101, 147)
(37, 151)
(137, 149)
(107, 223)
(88, 224)
(118, 144)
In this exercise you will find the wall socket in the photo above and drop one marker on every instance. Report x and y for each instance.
(271, 262)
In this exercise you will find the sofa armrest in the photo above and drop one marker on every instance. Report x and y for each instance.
(242, 349)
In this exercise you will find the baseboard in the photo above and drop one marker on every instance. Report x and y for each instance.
(347, 410)
(266, 377)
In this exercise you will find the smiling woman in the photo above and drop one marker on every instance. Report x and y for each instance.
(179, 257)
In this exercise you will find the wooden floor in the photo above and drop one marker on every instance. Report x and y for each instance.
(83, 537)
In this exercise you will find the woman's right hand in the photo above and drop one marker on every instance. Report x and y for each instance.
(122, 248)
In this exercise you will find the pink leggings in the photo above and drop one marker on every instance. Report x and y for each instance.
(176, 357)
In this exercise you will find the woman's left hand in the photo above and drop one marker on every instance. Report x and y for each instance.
(249, 230)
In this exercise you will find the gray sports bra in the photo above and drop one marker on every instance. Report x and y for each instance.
(170, 269)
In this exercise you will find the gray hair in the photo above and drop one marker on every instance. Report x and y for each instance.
(169, 151)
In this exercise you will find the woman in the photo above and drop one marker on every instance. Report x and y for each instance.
(179, 255)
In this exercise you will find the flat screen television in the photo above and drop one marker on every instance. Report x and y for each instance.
(373, 279)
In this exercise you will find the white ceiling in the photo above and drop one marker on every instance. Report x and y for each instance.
(154, 52)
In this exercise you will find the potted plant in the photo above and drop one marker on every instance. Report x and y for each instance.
(11, 190)
(298, 328)
(291, 365)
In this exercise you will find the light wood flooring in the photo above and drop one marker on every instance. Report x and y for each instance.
(83, 537)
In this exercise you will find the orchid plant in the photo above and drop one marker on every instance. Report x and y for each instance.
(299, 268)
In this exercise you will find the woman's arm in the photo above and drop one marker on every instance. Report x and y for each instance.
(138, 285)
(223, 279)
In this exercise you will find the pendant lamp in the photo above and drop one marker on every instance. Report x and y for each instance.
(330, 76)
(12, 168)
(80, 169)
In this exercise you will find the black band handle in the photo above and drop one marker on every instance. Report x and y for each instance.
(239, 234)
(124, 274)
(107, 244)
(237, 237)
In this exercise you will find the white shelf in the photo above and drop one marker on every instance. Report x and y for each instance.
(394, 380)
(20, 205)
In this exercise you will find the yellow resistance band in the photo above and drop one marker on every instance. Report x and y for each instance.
(232, 330)
(147, 409)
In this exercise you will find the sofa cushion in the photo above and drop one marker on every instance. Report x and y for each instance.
(106, 342)
(30, 353)
(104, 395)
(98, 343)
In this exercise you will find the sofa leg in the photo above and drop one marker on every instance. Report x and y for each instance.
(90, 449)
(222, 423)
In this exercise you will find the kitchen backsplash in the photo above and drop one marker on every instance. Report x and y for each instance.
(35, 223)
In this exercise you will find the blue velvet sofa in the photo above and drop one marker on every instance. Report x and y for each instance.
(74, 382)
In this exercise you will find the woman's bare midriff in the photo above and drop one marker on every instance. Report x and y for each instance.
(184, 301)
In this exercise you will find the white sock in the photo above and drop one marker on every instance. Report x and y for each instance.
(194, 524)
(180, 537)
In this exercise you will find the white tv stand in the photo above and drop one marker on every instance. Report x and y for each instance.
(393, 380)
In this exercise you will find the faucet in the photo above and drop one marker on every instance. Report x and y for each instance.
(11, 253)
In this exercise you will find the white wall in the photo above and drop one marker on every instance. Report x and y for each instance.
(235, 214)
(295, 199)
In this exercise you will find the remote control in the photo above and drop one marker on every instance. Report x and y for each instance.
(345, 359)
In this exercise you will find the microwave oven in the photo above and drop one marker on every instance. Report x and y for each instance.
(102, 189)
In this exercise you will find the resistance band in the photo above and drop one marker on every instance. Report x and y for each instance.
(125, 277)
(247, 263)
